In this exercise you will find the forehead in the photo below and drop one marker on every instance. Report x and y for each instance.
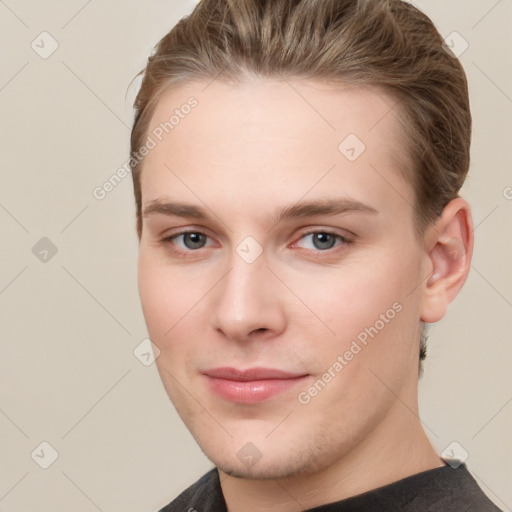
(283, 134)
(263, 106)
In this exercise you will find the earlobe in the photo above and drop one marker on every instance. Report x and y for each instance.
(449, 246)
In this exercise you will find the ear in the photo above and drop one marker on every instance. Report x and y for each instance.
(448, 251)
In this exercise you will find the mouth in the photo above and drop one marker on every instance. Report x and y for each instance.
(253, 385)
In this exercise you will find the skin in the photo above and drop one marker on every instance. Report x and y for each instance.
(245, 152)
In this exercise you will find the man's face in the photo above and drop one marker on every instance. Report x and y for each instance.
(300, 264)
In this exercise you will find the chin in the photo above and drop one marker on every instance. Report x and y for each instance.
(260, 470)
(269, 464)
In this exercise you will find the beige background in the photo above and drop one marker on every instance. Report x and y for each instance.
(68, 375)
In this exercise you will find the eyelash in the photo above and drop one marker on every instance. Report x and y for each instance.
(185, 253)
(338, 238)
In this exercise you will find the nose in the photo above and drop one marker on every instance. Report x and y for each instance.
(247, 302)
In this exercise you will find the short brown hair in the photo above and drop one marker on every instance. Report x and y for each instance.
(385, 43)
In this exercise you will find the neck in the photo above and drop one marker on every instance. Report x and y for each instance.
(398, 447)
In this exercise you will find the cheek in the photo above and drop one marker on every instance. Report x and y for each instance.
(371, 311)
(172, 308)
(162, 297)
(351, 298)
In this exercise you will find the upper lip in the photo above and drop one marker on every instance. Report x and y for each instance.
(251, 374)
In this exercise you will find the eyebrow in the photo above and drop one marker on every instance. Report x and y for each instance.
(322, 207)
(298, 210)
(174, 209)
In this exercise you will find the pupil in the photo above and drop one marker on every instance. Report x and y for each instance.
(323, 240)
(193, 240)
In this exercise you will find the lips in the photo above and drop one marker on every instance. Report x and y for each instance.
(252, 385)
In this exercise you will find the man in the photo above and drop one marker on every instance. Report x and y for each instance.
(296, 166)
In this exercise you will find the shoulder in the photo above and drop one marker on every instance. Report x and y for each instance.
(205, 495)
(443, 489)
(449, 489)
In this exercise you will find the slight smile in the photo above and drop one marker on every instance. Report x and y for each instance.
(252, 385)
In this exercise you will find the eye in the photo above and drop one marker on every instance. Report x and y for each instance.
(321, 240)
(190, 240)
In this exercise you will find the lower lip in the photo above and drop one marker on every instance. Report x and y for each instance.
(253, 391)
